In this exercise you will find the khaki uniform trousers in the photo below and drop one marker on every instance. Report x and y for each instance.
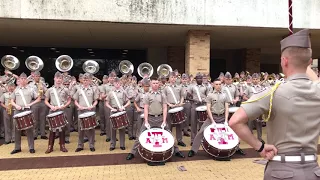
(197, 141)
(122, 133)
(29, 132)
(194, 120)
(88, 133)
(102, 117)
(187, 111)
(40, 111)
(154, 122)
(8, 126)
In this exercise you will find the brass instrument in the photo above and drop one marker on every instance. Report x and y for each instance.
(9, 108)
(64, 63)
(282, 75)
(10, 63)
(34, 63)
(164, 70)
(235, 81)
(126, 67)
(92, 67)
(145, 70)
(271, 79)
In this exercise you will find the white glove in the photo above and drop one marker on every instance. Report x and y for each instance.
(226, 123)
(163, 125)
(147, 125)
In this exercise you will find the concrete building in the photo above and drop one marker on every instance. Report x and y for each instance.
(190, 35)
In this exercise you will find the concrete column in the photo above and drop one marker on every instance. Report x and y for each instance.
(176, 58)
(197, 58)
(252, 60)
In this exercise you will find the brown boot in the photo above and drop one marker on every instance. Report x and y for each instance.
(51, 142)
(62, 141)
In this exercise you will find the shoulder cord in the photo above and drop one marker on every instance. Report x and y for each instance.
(271, 92)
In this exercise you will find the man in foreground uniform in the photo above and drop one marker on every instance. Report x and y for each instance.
(293, 117)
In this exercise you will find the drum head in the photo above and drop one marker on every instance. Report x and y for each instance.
(22, 114)
(86, 114)
(156, 140)
(221, 136)
(118, 114)
(233, 109)
(55, 114)
(176, 109)
(142, 116)
(201, 108)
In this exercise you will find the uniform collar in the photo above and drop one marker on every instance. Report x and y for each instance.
(199, 85)
(157, 92)
(216, 92)
(297, 76)
(117, 90)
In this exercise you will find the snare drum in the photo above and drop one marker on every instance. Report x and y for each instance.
(177, 115)
(57, 121)
(88, 121)
(24, 120)
(156, 145)
(233, 109)
(202, 113)
(220, 141)
(119, 120)
(142, 116)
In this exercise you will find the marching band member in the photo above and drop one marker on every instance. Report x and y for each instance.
(205, 81)
(102, 105)
(39, 110)
(197, 94)
(132, 92)
(221, 77)
(175, 97)
(8, 114)
(254, 89)
(86, 99)
(293, 118)
(155, 112)
(73, 88)
(59, 100)
(138, 103)
(21, 99)
(217, 109)
(116, 101)
(187, 104)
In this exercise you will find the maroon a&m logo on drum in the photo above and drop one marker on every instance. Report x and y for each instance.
(221, 136)
(156, 139)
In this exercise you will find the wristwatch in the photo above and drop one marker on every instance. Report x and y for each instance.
(261, 148)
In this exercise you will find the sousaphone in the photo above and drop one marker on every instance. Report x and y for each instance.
(10, 63)
(164, 70)
(145, 70)
(126, 67)
(64, 63)
(92, 67)
(34, 63)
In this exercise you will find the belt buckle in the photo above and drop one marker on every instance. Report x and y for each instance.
(156, 115)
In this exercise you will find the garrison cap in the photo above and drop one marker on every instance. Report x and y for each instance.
(58, 74)
(199, 75)
(80, 75)
(162, 77)
(236, 75)
(228, 75)
(23, 75)
(249, 77)
(11, 84)
(184, 76)
(298, 39)
(221, 74)
(116, 80)
(134, 78)
(145, 82)
(86, 76)
(255, 75)
(37, 73)
(172, 74)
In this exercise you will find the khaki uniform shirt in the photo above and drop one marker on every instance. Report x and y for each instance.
(131, 92)
(155, 100)
(5, 98)
(62, 94)
(107, 88)
(74, 89)
(121, 96)
(203, 92)
(140, 99)
(217, 101)
(28, 94)
(232, 89)
(185, 88)
(253, 90)
(177, 93)
(89, 92)
(37, 86)
(295, 116)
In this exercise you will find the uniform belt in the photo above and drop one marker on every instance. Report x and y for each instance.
(295, 158)
(186, 101)
(155, 115)
(218, 114)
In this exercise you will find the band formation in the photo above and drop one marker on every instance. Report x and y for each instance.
(147, 110)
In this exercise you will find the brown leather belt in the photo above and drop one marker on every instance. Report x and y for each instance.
(155, 115)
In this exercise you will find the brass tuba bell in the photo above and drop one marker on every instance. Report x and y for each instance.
(10, 62)
(64, 63)
(91, 67)
(235, 81)
(34, 63)
(145, 70)
(126, 67)
(164, 70)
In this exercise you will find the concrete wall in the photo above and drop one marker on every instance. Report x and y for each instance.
(258, 13)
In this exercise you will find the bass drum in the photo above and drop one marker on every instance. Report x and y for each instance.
(156, 145)
(220, 141)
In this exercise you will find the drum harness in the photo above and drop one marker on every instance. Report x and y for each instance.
(271, 93)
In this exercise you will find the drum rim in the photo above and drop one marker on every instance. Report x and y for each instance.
(90, 112)
(22, 114)
(207, 151)
(156, 128)
(171, 154)
(57, 113)
(201, 108)
(174, 110)
(118, 114)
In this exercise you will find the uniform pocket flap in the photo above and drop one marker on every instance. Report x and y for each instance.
(282, 174)
(317, 172)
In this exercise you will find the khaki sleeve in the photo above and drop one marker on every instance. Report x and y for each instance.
(76, 96)
(34, 94)
(258, 106)
(125, 97)
(137, 99)
(146, 99)
(13, 95)
(47, 94)
(164, 99)
(2, 99)
(246, 92)
(237, 93)
(209, 99)
(95, 94)
(108, 98)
